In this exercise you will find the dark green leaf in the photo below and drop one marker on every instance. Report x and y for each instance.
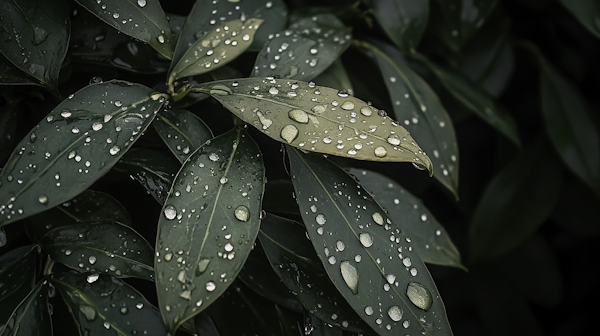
(141, 19)
(101, 247)
(515, 203)
(35, 36)
(32, 316)
(182, 131)
(77, 143)
(205, 325)
(371, 264)
(293, 259)
(587, 12)
(304, 50)
(208, 225)
(279, 198)
(8, 128)
(335, 77)
(418, 109)
(25, 281)
(11, 75)
(429, 238)
(318, 119)
(103, 305)
(403, 21)
(17, 269)
(316, 327)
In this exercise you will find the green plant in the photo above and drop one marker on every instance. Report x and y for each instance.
(294, 154)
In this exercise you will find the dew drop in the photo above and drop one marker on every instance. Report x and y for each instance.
(340, 245)
(92, 260)
(377, 218)
(114, 150)
(170, 212)
(418, 166)
(273, 90)
(419, 295)
(331, 260)
(65, 113)
(202, 266)
(319, 108)
(348, 105)
(350, 275)
(380, 151)
(141, 3)
(390, 278)
(246, 37)
(96, 126)
(213, 157)
(298, 116)
(161, 39)
(43, 199)
(321, 219)
(210, 286)
(242, 213)
(395, 313)
(92, 278)
(88, 312)
(393, 140)
(289, 133)
(365, 239)
(369, 310)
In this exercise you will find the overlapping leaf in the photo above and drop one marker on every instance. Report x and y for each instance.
(208, 225)
(77, 143)
(370, 261)
(11, 75)
(31, 316)
(335, 77)
(317, 119)
(182, 131)
(17, 270)
(587, 12)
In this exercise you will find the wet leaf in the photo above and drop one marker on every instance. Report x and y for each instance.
(182, 131)
(335, 77)
(141, 19)
(418, 109)
(279, 198)
(587, 12)
(77, 143)
(318, 119)
(304, 50)
(101, 247)
(31, 316)
(316, 327)
(403, 21)
(218, 47)
(292, 257)
(208, 225)
(382, 278)
(103, 305)
(429, 238)
(8, 128)
(17, 270)
(11, 75)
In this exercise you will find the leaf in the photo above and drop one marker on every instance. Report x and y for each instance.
(8, 128)
(419, 110)
(304, 50)
(403, 21)
(515, 203)
(11, 75)
(77, 143)
(31, 316)
(17, 270)
(476, 100)
(101, 247)
(293, 259)
(382, 278)
(35, 36)
(205, 325)
(182, 131)
(336, 77)
(103, 305)
(141, 19)
(587, 12)
(208, 53)
(429, 238)
(318, 119)
(208, 225)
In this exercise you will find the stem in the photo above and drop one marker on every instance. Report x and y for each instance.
(48, 266)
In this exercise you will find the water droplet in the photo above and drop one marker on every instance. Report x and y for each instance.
(319, 108)
(340, 245)
(347, 106)
(289, 133)
(331, 260)
(365, 239)
(161, 39)
(186, 295)
(92, 278)
(141, 3)
(202, 266)
(369, 310)
(390, 278)
(350, 275)
(395, 313)
(406, 261)
(242, 213)
(377, 218)
(273, 90)
(419, 295)
(43, 199)
(210, 286)
(88, 312)
(393, 140)
(92, 260)
(246, 37)
(114, 150)
(106, 325)
(321, 219)
(223, 180)
(139, 305)
(213, 157)
(418, 166)
(298, 116)
(116, 15)
(170, 212)
(97, 126)
(380, 151)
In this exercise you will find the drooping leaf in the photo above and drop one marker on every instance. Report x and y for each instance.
(587, 12)
(17, 270)
(216, 48)
(429, 238)
(419, 110)
(279, 197)
(304, 50)
(77, 143)
(103, 305)
(35, 36)
(182, 131)
(403, 21)
(515, 203)
(141, 19)
(335, 77)
(208, 225)
(31, 316)
(292, 257)
(371, 263)
(11, 75)
(101, 247)
(318, 119)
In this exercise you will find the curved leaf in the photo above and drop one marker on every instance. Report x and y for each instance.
(31, 316)
(335, 77)
(9, 114)
(11, 75)
(35, 36)
(17, 270)
(587, 12)
(102, 247)
(304, 50)
(182, 131)
(103, 305)
(77, 143)
(141, 19)
(371, 264)
(429, 238)
(208, 225)
(318, 119)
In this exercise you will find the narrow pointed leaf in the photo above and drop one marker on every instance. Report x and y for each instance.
(587, 12)
(371, 263)
(403, 21)
(141, 19)
(182, 131)
(335, 77)
(304, 50)
(35, 36)
(103, 305)
(17, 268)
(429, 238)
(208, 225)
(32, 316)
(317, 119)
(76, 144)
(218, 47)
(101, 247)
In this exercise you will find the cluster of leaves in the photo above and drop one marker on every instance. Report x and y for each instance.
(342, 245)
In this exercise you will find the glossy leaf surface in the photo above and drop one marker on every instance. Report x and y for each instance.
(182, 131)
(587, 12)
(35, 36)
(77, 143)
(17, 269)
(101, 247)
(318, 119)
(31, 316)
(208, 225)
(371, 263)
(11, 75)
(429, 238)
(141, 19)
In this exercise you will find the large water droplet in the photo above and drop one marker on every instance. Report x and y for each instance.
(321, 219)
(365, 239)
(92, 260)
(348, 105)
(395, 313)
(141, 3)
(210, 286)
(289, 133)
(377, 218)
(92, 278)
(380, 151)
(419, 295)
(242, 213)
(298, 116)
(170, 212)
(88, 312)
(114, 150)
(350, 275)
(202, 265)
(369, 310)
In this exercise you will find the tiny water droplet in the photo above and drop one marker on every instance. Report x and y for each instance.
(210, 286)
(92, 260)
(161, 39)
(202, 265)
(141, 3)
(43, 199)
